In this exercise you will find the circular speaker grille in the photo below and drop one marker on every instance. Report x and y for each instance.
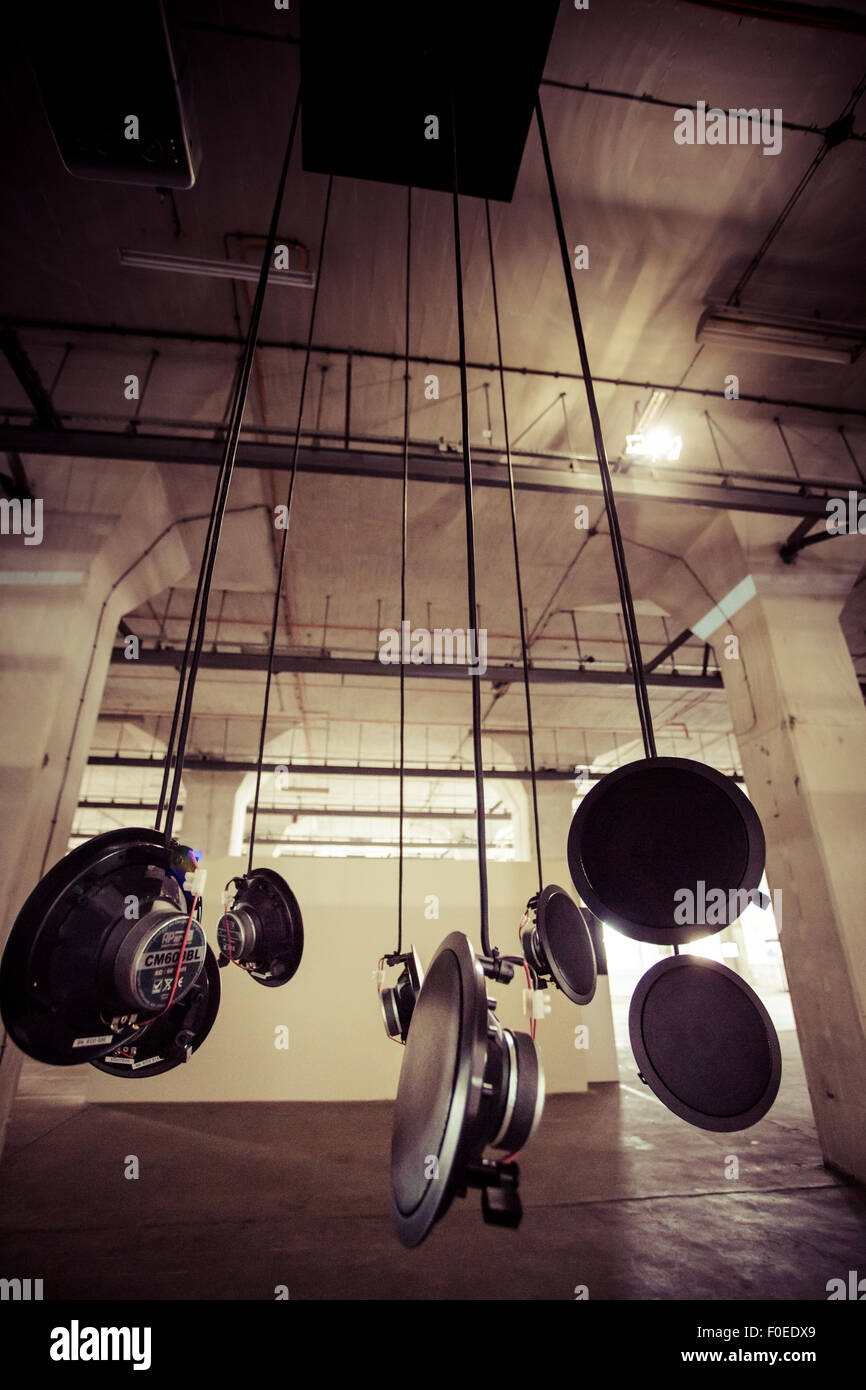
(54, 994)
(397, 1003)
(426, 1089)
(267, 903)
(439, 1094)
(705, 1043)
(655, 828)
(567, 944)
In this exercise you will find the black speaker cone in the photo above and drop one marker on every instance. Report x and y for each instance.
(705, 1044)
(557, 943)
(397, 1002)
(96, 943)
(655, 830)
(173, 1036)
(262, 930)
(466, 1084)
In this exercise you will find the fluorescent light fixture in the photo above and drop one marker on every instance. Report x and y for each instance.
(651, 412)
(42, 576)
(781, 334)
(223, 270)
(656, 444)
(650, 440)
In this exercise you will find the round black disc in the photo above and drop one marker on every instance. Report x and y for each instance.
(439, 1094)
(54, 997)
(279, 927)
(654, 828)
(567, 944)
(162, 1045)
(704, 1043)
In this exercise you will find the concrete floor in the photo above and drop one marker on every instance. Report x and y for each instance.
(233, 1200)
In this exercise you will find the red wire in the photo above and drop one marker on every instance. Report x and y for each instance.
(148, 1021)
(232, 960)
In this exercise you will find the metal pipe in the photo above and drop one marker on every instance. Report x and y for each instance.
(229, 340)
(431, 774)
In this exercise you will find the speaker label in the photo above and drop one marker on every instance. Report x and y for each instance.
(156, 963)
(119, 1061)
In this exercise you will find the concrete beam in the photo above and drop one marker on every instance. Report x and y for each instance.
(431, 774)
(330, 812)
(343, 666)
(424, 467)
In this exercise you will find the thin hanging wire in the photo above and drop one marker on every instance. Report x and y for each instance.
(189, 672)
(279, 584)
(641, 693)
(852, 455)
(520, 607)
(470, 546)
(404, 526)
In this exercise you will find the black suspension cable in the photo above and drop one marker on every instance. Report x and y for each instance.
(470, 547)
(169, 748)
(520, 608)
(404, 526)
(225, 477)
(619, 560)
(279, 585)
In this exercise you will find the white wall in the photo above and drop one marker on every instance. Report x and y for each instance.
(338, 1047)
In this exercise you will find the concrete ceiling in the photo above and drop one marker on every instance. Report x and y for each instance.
(668, 228)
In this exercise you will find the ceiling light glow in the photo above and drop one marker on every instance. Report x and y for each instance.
(656, 444)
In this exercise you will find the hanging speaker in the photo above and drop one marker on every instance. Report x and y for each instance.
(97, 947)
(652, 841)
(173, 1036)
(557, 944)
(262, 931)
(397, 1003)
(704, 1043)
(466, 1084)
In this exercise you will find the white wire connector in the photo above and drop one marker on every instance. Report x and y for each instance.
(536, 1003)
(194, 882)
(378, 976)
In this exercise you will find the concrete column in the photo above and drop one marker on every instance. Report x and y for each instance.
(58, 617)
(210, 800)
(800, 723)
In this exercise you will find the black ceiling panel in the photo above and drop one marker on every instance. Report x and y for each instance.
(372, 77)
